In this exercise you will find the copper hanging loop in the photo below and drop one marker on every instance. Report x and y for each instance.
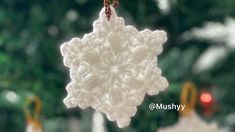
(107, 4)
(107, 8)
(115, 3)
(185, 94)
(33, 117)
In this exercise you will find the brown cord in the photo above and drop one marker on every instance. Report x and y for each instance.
(108, 8)
(115, 3)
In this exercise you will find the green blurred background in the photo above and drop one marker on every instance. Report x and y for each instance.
(201, 48)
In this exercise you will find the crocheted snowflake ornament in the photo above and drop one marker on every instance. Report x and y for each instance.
(32, 127)
(191, 123)
(113, 68)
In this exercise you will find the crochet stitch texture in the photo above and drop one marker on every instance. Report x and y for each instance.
(113, 68)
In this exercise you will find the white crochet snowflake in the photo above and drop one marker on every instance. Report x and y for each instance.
(113, 68)
(191, 123)
(32, 127)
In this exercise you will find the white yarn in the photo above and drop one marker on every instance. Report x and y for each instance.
(113, 68)
(32, 128)
(191, 123)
